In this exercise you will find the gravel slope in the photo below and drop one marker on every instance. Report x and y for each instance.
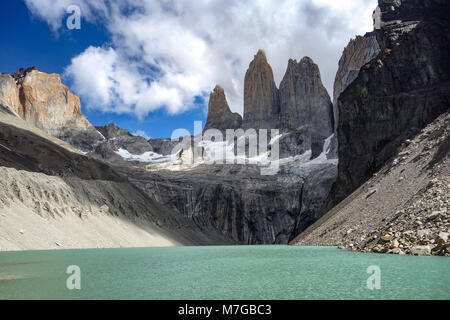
(54, 197)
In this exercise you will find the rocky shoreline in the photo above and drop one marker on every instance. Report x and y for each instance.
(423, 228)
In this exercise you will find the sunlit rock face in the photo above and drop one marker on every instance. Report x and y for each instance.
(46, 102)
(9, 94)
(220, 116)
(261, 100)
(397, 93)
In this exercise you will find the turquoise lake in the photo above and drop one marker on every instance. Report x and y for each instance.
(238, 272)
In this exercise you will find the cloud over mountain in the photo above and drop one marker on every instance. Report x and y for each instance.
(164, 54)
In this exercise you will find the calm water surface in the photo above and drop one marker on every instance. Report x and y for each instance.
(239, 272)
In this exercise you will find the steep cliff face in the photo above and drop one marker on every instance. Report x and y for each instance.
(301, 109)
(304, 101)
(239, 202)
(9, 93)
(261, 100)
(220, 116)
(357, 53)
(41, 99)
(48, 103)
(396, 94)
(395, 18)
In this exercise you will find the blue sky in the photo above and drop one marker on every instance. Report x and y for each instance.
(149, 65)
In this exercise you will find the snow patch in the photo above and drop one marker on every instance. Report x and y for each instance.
(101, 135)
(147, 157)
(326, 148)
(274, 139)
(223, 152)
(5, 147)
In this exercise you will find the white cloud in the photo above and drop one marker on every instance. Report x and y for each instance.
(164, 53)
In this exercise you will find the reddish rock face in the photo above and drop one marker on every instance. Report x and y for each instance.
(48, 103)
(220, 116)
(261, 100)
(41, 98)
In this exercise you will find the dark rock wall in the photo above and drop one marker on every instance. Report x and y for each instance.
(397, 93)
(357, 53)
(304, 101)
(239, 202)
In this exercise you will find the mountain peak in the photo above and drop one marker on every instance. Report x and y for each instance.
(218, 90)
(219, 114)
(304, 100)
(111, 131)
(22, 72)
(43, 100)
(261, 103)
(307, 60)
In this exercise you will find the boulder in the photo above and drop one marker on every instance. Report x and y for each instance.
(443, 236)
(421, 250)
(386, 238)
(424, 233)
(395, 244)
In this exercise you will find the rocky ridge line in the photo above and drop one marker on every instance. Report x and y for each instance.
(41, 98)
